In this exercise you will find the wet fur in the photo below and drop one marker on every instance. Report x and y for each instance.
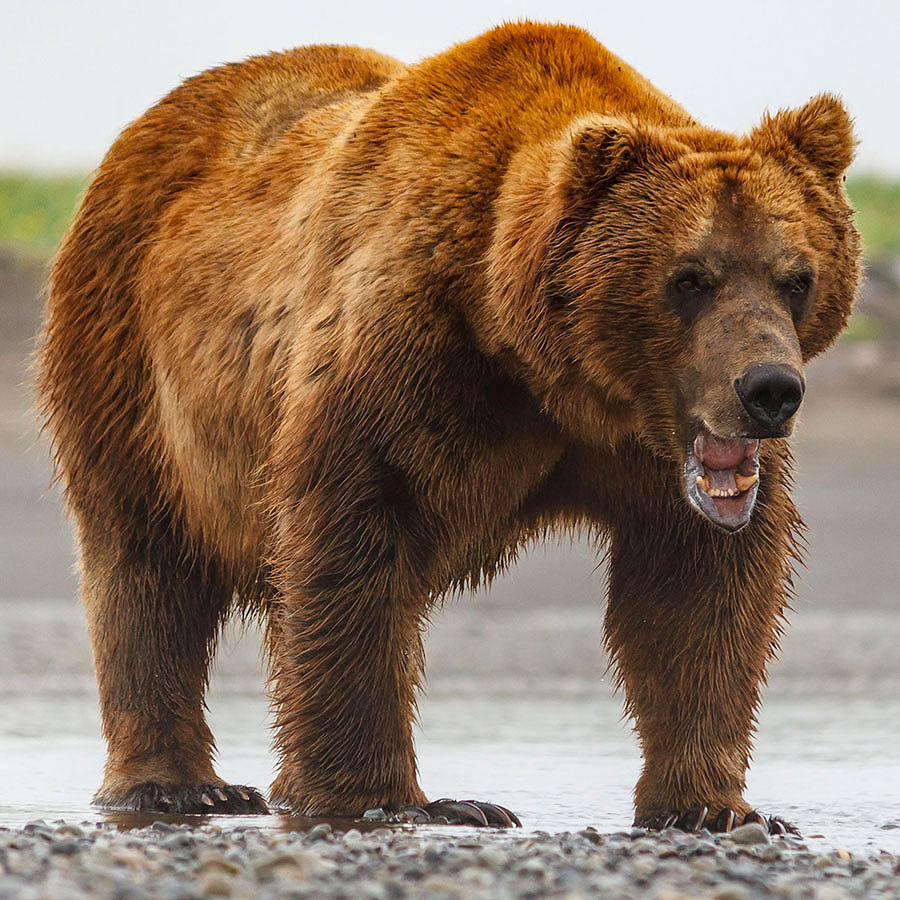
(327, 339)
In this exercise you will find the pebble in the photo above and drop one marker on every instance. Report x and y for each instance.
(86, 862)
(752, 833)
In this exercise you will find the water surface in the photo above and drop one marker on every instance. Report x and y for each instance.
(827, 759)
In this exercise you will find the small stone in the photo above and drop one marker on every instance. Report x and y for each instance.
(732, 892)
(441, 886)
(493, 857)
(319, 832)
(297, 865)
(178, 838)
(215, 884)
(752, 833)
(65, 848)
(644, 866)
(637, 832)
(375, 815)
(592, 835)
(533, 867)
(213, 861)
(278, 865)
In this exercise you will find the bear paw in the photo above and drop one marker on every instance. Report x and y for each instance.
(698, 817)
(198, 799)
(459, 812)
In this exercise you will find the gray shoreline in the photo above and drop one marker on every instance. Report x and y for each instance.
(107, 860)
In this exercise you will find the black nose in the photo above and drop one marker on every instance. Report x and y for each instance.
(770, 393)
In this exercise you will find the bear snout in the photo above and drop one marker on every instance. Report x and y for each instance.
(771, 395)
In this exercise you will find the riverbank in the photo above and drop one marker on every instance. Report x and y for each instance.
(69, 862)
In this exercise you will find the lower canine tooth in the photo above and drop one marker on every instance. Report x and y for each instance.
(745, 482)
(703, 482)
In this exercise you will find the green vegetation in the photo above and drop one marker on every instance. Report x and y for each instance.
(36, 209)
(877, 204)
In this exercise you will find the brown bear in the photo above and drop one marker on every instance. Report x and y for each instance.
(332, 336)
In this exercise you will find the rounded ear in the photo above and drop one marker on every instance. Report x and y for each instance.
(599, 150)
(596, 151)
(821, 132)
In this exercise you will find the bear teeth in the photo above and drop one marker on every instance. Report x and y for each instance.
(742, 483)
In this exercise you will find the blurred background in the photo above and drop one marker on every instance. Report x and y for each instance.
(518, 693)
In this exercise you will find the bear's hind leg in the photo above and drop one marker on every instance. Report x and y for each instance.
(154, 610)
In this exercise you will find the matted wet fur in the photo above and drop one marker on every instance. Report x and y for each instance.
(331, 336)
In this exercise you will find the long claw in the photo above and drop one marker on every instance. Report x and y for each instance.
(221, 794)
(724, 821)
(494, 815)
(474, 811)
(244, 795)
(205, 799)
(509, 814)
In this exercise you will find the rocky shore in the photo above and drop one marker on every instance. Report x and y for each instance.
(103, 860)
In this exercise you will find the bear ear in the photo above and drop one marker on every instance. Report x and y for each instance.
(821, 132)
(597, 151)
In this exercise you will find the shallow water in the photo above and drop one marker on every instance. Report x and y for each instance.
(827, 759)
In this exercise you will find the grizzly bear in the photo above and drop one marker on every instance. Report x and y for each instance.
(331, 337)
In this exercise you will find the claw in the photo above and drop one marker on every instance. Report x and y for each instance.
(698, 811)
(244, 795)
(754, 817)
(204, 798)
(670, 821)
(513, 818)
(415, 815)
(464, 810)
(497, 816)
(725, 820)
(776, 826)
(220, 794)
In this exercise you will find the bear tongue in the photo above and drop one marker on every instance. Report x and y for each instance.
(718, 454)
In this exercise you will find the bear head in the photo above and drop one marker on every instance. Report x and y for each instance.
(669, 284)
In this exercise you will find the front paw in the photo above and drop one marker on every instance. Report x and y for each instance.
(723, 821)
(197, 799)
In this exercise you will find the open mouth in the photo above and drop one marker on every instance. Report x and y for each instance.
(722, 477)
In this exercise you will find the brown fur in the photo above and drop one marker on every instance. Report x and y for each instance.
(331, 336)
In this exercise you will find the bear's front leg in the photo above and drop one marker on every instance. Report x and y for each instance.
(353, 569)
(693, 618)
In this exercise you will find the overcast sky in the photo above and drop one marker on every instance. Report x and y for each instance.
(74, 72)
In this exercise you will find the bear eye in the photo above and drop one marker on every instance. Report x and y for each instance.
(691, 279)
(691, 282)
(798, 285)
(689, 288)
(797, 288)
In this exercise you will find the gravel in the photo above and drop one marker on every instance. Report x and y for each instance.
(97, 860)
